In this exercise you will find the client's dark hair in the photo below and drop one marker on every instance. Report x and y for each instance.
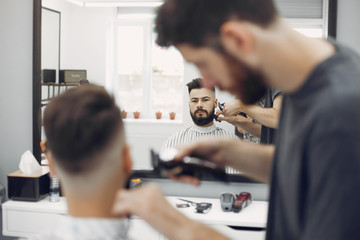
(79, 124)
(198, 22)
(196, 83)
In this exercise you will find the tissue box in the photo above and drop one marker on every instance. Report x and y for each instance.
(28, 187)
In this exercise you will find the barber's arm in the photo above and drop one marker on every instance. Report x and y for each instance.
(254, 160)
(268, 117)
(242, 122)
(149, 203)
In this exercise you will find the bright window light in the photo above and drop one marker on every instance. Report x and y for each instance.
(311, 32)
(76, 2)
(136, 16)
(130, 67)
(150, 78)
(123, 4)
(167, 80)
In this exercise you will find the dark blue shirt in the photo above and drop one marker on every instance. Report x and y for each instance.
(315, 187)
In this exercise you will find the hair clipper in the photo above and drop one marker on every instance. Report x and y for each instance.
(221, 107)
(242, 201)
(193, 166)
(227, 201)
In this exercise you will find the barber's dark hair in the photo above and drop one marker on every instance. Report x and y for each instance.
(198, 22)
(196, 83)
(79, 124)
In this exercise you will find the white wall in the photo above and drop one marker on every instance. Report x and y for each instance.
(16, 26)
(348, 30)
(83, 38)
(50, 41)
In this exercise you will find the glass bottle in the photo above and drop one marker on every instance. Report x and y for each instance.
(54, 195)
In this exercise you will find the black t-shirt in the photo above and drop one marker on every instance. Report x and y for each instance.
(268, 134)
(315, 187)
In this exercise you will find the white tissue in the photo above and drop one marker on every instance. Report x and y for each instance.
(28, 164)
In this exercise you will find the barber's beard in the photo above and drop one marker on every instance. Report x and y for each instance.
(249, 85)
(202, 121)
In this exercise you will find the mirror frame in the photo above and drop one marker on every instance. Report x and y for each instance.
(37, 7)
(332, 18)
(37, 4)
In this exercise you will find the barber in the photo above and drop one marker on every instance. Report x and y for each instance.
(315, 170)
(260, 120)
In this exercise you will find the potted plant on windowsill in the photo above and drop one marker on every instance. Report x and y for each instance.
(172, 115)
(123, 114)
(136, 115)
(158, 115)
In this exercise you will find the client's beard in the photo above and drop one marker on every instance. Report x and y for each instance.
(202, 121)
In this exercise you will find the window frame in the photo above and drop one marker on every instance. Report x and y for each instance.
(327, 22)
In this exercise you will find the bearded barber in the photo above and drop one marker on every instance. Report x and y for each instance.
(314, 172)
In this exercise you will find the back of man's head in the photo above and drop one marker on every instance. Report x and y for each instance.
(196, 84)
(85, 136)
(198, 22)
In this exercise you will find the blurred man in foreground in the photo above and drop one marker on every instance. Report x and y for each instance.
(86, 149)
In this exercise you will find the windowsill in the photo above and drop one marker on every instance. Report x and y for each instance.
(152, 121)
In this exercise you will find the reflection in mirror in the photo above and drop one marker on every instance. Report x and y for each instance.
(74, 41)
(115, 45)
(50, 43)
(50, 55)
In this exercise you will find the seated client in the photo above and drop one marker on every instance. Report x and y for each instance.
(88, 152)
(202, 104)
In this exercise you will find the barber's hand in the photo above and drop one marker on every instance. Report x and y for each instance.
(219, 151)
(236, 120)
(144, 201)
(185, 179)
(233, 108)
(149, 203)
(233, 120)
(209, 149)
(230, 119)
(240, 130)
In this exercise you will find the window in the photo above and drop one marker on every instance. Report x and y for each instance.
(309, 17)
(167, 80)
(131, 69)
(150, 79)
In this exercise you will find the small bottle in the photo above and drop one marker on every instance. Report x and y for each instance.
(54, 189)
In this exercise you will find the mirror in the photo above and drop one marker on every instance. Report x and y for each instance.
(87, 37)
(50, 55)
(36, 78)
(97, 38)
(50, 41)
(92, 38)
